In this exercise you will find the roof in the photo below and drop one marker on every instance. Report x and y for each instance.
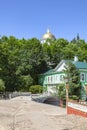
(49, 72)
(48, 35)
(78, 64)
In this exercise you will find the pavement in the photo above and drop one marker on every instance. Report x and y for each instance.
(21, 113)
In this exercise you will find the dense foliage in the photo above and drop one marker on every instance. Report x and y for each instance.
(21, 60)
(73, 79)
(36, 89)
(61, 91)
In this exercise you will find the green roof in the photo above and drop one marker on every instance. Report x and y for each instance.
(80, 65)
(50, 71)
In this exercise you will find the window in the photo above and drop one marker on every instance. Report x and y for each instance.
(82, 77)
(48, 79)
(86, 77)
(56, 77)
(61, 77)
(51, 78)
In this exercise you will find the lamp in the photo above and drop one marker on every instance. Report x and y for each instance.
(86, 90)
(67, 88)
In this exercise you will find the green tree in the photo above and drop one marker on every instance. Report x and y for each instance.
(82, 53)
(25, 82)
(9, 61)
(4, 39)
(31, 59)
(73, 76)
(61, 91)
(47, 54)
(19, 58)
(70, 51)
(53, 51)
(56, 50)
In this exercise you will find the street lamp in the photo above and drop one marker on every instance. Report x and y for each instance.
(86, 90)
(67, 88)
(67, 91)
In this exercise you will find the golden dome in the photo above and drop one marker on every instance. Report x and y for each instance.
(48, 35)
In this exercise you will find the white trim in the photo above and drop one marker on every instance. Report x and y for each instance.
(83, 70)
(86, 77)
(59, 65)
(77, 106)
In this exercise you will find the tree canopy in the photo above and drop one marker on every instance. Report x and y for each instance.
(73, 78)
(21, 60)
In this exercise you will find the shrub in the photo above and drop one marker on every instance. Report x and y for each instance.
(36, 89)
(74, 97)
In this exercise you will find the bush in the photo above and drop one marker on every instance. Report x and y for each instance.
(36, 89)
(74, 97)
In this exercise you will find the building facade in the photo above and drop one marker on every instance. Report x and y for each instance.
(52, 78)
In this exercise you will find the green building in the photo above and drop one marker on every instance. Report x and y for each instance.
(52, 78)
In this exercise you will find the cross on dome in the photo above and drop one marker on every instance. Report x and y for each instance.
(47, 35)
(48, 30)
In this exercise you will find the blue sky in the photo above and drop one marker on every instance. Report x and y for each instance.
(31, 18)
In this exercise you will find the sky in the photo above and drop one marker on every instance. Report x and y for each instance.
(31, 18)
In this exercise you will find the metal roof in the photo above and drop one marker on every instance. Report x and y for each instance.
(78, 64)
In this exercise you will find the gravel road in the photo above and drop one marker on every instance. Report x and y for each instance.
(23, 114)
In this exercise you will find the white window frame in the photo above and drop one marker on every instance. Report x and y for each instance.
(61, 77)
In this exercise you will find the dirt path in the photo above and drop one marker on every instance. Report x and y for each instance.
(23, 114)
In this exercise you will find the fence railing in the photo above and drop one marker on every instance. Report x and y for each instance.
(9, 95)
